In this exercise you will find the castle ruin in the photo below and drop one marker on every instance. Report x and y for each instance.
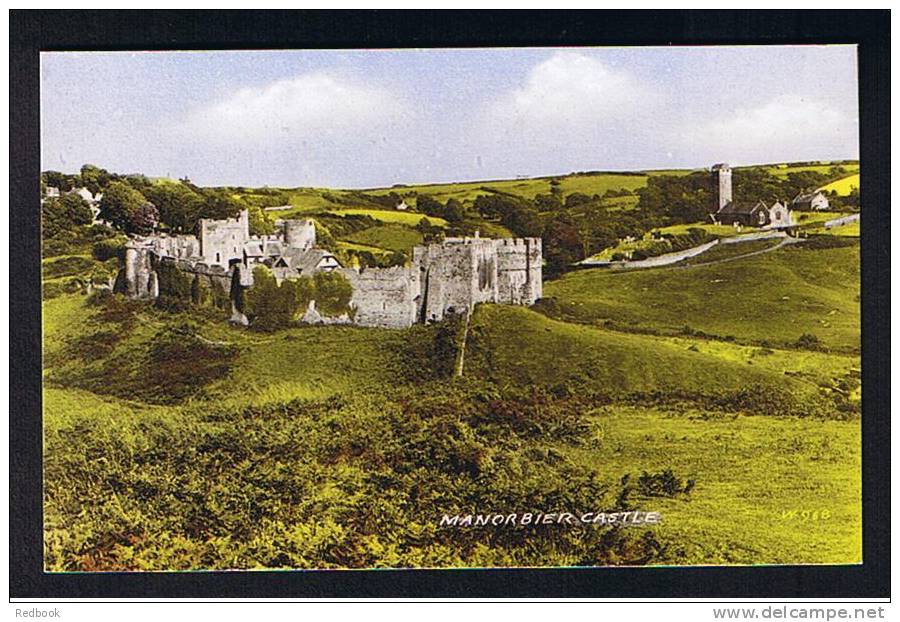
(447, 277)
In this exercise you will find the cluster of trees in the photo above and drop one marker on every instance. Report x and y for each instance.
(134, 204)
(571, 228)
(271, 306)
(65, 213)
(452, 211)
(689, 198)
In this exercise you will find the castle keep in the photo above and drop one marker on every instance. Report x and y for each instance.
(443, 278)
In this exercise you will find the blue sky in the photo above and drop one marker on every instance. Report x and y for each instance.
(363, 118)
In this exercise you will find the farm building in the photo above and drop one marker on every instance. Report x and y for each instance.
(810, 201)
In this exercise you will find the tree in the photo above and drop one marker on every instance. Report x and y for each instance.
(454, 212)
(332, 292)
(144, 219)
(61, 181)
(179, 206)
(269, 305)
(260, 223)
(523, 222)
(64, 213)
(577, 198)
(121, 203)
(562, 245)
(548, 202)
(430, 206)
(94, 178)
(220, 204)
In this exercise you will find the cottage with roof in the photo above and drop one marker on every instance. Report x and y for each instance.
(810, 201)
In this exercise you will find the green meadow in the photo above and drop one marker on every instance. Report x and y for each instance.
(774, 298)
(724, 396)
(843, 186)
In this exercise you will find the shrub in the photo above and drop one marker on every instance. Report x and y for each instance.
(332, 293)
(225, 488)
(104, 250)
(663, 484)
(808, 341)
(181, 363)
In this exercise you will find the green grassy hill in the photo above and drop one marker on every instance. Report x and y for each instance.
(774, 297)
(173, 440)
(517, 346)
(843, 186)
(330, 202)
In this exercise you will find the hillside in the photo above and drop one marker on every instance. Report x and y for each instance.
(516, 346)
(774, 298)
(843, 186)
(725, 396)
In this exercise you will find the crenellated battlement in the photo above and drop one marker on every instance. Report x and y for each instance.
(447, 277)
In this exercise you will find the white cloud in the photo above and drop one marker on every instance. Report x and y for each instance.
(308, 107)
(571, 110)
(787, 127)
(574, 90)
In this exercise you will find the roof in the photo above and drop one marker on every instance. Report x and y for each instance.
(741, 208)
(719, 166)
(253, 248)
(305, 261)
(271, 248)
(807, 197)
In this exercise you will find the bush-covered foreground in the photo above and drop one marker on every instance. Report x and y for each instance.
(173, 441)
(341, 482)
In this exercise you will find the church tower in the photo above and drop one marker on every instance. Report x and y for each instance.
(721, 186)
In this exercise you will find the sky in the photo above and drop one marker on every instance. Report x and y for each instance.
(369, 118)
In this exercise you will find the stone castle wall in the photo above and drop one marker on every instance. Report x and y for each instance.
(223, 240)
(450, 277)
(385, 297)
(519, 271)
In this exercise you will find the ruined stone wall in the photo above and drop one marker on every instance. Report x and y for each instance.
(299, 233)
(455, 275)
(450, 277)
(384, 297)
(223, 240)
(519, 271)
(178, 246)
(140, 278)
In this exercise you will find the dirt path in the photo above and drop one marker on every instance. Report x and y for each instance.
(784, 242)
(461, 359)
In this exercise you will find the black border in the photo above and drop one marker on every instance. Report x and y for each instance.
(33, 31)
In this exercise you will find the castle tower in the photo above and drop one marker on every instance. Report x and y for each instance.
(721, 186)
(222, 241)
(300, 234)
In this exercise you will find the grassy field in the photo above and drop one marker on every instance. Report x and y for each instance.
(843, 186)
(768, 491)
(719, 230)
(387, 237)
(586, 184)
(846, 231)
(774, 297)
(729, 252)
(807, 511)
(544, 352)
(782, 170)
(337, 446)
